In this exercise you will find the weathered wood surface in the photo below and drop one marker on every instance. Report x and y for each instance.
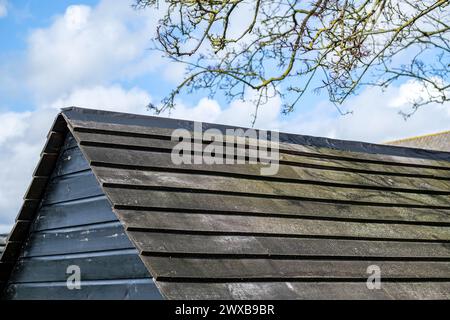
(212, 230)
(140, 158)
(125, 198)
(165, 133)
(20, 230)
(36, 188)
(45, 165)
(273, 189)
(204, 269)
(231, 204)
(54, 142)
(162, 161)
(306, 290)
(161, 243)
(28, 209)
(223, 224)
(11, 251)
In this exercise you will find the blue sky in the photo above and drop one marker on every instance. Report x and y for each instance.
(95, 54)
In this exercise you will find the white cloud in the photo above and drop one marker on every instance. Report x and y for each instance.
(21, 144)
(238, 112)
(89, 46)
(3, 8)
(23, 134)
(13, 125)
(206, 110)
(415, 92)
(375, 117)
(174, 72)
(113, 98)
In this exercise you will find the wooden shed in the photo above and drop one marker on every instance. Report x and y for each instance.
(106, 197)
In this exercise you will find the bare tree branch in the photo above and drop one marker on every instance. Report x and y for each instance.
(280, 45)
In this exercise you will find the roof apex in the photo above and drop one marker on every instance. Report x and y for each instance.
(120, 118)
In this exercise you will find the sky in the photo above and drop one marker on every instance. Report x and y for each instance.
(96, 54)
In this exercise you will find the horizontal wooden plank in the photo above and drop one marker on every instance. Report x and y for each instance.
(160, 145)
(28, 210)
(101, 290)
(203, 269)
(93, 266)
(99, 237)
(70, 161)
(45, 165)
(311, 175)
(74, 213)
(20, 230)
(296, 145)
(182, 201)
(55, 141)
(72, 187)
(285, 159)
(59, 124)
(36, 188)
(276, 226)
(226, 245)
(259, 188)
(11, 251)
(305, 290)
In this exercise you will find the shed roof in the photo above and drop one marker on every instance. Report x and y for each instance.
(436, 141)
(224, 231)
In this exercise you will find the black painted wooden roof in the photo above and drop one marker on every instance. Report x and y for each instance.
(224, 231)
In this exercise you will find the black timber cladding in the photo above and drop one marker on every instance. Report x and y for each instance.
(224, 231)
(32, 198)
(75, 226)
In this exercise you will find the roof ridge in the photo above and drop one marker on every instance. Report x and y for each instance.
(113, 117)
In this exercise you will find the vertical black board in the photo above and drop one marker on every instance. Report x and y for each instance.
(78, 228)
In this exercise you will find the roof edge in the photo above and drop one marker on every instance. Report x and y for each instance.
(121, 118)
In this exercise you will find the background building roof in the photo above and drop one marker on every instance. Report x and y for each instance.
(436, 141)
